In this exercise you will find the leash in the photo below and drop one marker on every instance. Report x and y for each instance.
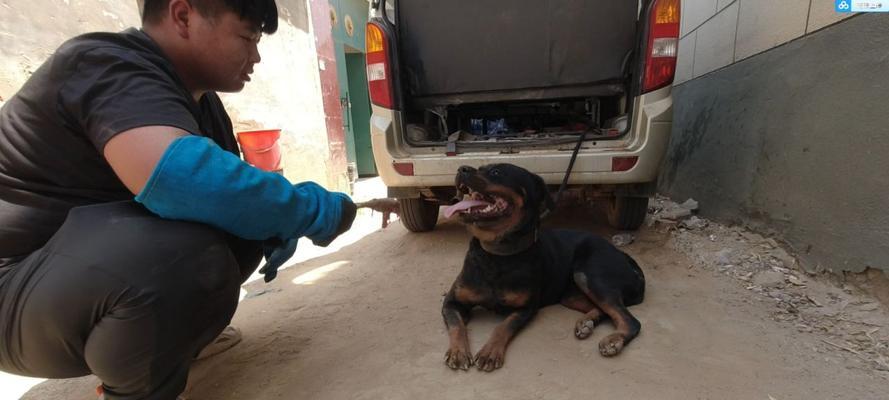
(568, 171)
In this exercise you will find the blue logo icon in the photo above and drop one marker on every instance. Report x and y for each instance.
(850, 6)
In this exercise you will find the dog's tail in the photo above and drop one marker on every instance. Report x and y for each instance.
(636, 296)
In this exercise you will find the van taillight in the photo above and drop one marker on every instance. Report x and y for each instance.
(620, 164)
(379, 75)
(404, 169)
(663, 45)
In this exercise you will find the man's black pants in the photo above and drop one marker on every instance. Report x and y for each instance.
(122, 294)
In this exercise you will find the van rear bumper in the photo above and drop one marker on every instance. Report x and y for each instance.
(647, 140)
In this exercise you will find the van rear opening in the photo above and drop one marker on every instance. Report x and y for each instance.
(534, 72)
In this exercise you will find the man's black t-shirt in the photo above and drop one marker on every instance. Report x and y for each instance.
(54, 130)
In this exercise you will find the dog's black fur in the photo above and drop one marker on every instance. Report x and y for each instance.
(513, 267)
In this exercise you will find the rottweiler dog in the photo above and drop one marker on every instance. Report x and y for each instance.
(513, 267)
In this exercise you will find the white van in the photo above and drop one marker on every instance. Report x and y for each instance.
(528, 82)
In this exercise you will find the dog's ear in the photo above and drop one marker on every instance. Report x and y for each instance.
(542, 199)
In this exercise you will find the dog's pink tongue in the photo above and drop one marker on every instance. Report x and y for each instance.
(462, 206)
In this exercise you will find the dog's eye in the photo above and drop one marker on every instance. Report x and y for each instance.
(495, 172)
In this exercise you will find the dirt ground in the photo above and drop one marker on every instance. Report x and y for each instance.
(727, 315)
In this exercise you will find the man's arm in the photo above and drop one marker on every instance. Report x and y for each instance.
(180, 176)
(134, 154)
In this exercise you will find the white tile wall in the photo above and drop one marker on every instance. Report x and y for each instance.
(764, 24)
(723, 3)
(694, 13)
(686, 61)
(715, 43)
(822, 14)
(742, 28)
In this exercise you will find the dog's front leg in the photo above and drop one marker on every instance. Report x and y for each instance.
(491, 356)
(456, 316)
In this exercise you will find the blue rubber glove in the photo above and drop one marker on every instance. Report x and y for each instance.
(196, 180)
(276, 254)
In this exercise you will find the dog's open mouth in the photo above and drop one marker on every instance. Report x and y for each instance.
(476, 205)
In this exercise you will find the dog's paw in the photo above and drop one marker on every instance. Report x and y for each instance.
(458, 358)
(611, 345)
(490, 358)
(584, 328)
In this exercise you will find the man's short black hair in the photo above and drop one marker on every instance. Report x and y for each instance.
(263, 13)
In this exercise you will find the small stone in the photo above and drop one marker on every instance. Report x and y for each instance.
(794, 280)
(769, 278)
(725, 257)
(690, 205)
(861, 339)
(622, 239)
(782, 256)
(712, 238)
(869, 307)
(751, 237)
(781, 270)
(725, 268)
(694, 223)
(813, 301)
(675, 214)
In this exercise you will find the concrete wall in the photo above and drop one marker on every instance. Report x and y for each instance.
(791, 140)
(31, 30)
(285, 91)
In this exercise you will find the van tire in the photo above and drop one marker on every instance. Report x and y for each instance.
(418, 215)
(627, 213)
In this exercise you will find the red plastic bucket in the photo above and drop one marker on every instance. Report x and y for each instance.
(261, 148)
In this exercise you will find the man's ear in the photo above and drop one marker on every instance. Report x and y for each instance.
(542, 198)
(179, 12)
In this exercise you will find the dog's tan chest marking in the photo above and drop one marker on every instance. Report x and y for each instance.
(515, 299)
(467, 295)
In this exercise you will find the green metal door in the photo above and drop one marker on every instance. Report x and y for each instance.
(360, 113)
(348, 19)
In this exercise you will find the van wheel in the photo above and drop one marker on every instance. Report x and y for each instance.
(418, 215)
(627, 213)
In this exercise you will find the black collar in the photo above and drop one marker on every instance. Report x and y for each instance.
(511, 246)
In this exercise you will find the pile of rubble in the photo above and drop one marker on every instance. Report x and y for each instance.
(846, 319)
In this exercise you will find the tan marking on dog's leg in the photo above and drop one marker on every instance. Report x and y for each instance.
(627, 325)
(578, 301)
(585, 325)
(458, 355)
(493, 353)
(456, 315)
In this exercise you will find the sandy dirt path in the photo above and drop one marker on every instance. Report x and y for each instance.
(364, 323)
